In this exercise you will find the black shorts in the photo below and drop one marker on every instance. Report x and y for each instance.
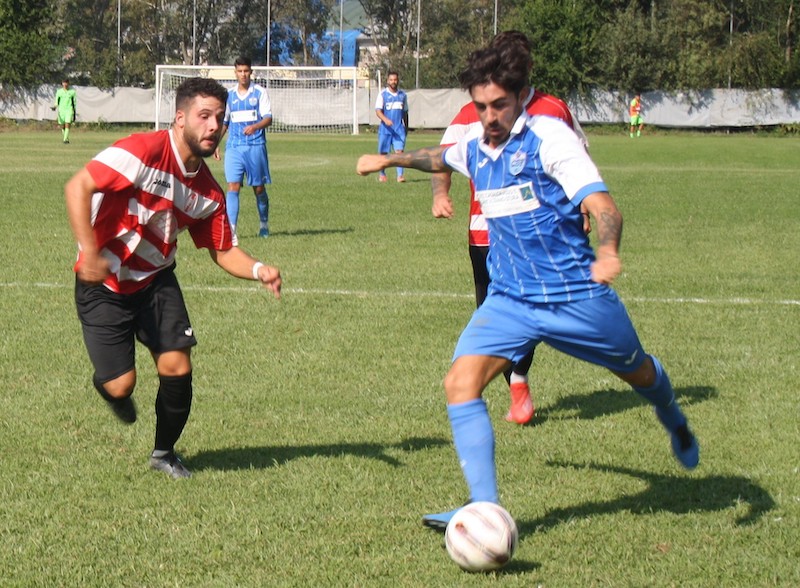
(156, 316)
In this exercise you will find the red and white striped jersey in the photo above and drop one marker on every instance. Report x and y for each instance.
(467, 119)
(145, 198)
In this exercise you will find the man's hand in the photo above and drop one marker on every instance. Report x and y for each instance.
(442, 206)
(93, 268)
(606, 268)
(270, 278)
(368, 164)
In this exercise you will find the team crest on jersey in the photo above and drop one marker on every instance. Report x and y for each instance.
(252, 100)
(191, 201)
(517, 163)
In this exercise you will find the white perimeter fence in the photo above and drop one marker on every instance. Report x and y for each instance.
(433, 109)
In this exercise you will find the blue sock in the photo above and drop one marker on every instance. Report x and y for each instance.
(400, 171)
(232, 206)
(473, 438)
(262, 202)
(662, 396)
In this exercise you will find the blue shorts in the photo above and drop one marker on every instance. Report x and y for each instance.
(597, 330)
(248, 161)
(389, 141)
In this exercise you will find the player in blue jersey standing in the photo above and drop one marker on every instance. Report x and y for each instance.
(531, 175)
(247, 114)
(392, 110)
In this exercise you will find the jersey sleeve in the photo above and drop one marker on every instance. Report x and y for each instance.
(564, 158)
(461, 124)
(264, 104)
(226, 120)
(455, 156)
(213, 232)
(115, 169)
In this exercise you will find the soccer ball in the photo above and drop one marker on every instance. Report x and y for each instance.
(481, 537)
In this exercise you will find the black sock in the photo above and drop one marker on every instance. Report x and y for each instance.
(173, 403)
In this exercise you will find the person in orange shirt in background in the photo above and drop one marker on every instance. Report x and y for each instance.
(635, 110)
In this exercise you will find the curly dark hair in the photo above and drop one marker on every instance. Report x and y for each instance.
(512, 40)
(507, 66)
(193, 87)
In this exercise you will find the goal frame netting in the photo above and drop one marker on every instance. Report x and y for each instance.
(304, 99)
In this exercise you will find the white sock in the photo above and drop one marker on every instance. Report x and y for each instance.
(518, 378)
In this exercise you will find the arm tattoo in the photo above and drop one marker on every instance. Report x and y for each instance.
(609, 227)
(427, 159)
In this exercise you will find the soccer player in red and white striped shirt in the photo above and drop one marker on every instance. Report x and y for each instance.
(126, 208)
(538, 103)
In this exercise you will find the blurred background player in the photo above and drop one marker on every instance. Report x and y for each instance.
(635, 110)
(247, 113)
(522, 409)
(126, 208)
(392, 110)
(66, 108)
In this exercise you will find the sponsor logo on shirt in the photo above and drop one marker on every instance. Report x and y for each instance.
(507, 201)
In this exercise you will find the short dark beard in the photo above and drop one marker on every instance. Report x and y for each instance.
(197, 151)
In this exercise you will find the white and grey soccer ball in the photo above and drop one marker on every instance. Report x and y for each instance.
(481, 537)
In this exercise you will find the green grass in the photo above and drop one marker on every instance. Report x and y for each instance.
(318, 436)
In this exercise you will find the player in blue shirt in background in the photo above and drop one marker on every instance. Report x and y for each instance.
(531, 175)
(392, 110)
(247, 114)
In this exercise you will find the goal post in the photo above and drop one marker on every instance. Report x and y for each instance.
(303, 99)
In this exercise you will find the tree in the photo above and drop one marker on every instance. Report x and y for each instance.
(29, 54)
(392, 24)
(450, 30)
(309, 18)
(566, 43)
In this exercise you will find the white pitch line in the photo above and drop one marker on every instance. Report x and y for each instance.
(423, 294)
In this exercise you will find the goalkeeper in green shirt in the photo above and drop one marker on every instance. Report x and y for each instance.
(66, 105)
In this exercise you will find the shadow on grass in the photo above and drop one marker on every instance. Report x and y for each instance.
(605, 402)
(310, 232)
(664, 493)
(245, 458)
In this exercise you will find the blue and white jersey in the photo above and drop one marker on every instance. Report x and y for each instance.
(243, 110)
(530, 189)
(394, 106)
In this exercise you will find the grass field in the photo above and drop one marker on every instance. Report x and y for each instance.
(318, 435)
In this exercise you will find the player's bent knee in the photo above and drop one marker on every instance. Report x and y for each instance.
(460, 388)
(643, 377)
(174, 363)
(122, 386)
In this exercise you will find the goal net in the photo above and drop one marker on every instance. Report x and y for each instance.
(303, 99)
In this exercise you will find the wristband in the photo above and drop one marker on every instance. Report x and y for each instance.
(256, 267)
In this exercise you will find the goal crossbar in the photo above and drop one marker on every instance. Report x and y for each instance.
(303, 99)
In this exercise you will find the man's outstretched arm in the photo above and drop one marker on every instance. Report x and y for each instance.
(427, 159)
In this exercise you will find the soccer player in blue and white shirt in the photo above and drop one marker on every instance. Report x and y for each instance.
(531, 175)
(392, 110)
(247, 114)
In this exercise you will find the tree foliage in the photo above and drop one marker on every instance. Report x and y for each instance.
(626, 45)
(25, 46)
